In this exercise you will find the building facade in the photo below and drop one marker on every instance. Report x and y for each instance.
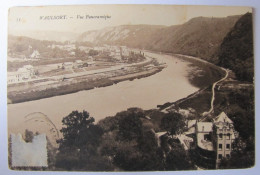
(223, 136)
(214, 140)
(23, 74)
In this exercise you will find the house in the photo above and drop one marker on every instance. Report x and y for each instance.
(78, 64)
(72, 53)
(22, 74)
(91, 63)
(12, 77)
(116, 54)
(91, 58)
(30, 69)
(35, 54)
(124, 51)
(203, 135)
(223, 136)
(214, 140)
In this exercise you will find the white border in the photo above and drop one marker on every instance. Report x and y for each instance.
(5, 5)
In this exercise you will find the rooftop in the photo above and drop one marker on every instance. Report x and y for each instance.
(191, 123)
(204, 126)
(222, 117)
(185, 140)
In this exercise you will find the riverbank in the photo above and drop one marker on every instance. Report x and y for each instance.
(145, 93)
(228, 98)
(202, 75)
(69, 88)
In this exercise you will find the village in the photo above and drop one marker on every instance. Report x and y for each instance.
(113, 63)
(211, 140)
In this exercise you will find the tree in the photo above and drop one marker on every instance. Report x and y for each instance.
(173, 123)
(80, 141)
(130, 126)
(148, 142)
(178, 159)
(92, 52)
(80, 53)
(236, 50)
(152, 155)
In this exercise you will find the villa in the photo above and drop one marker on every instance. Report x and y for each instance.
(23, 74)
(214, 140)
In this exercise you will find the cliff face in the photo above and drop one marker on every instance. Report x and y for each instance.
(236, 50)
(137, 36)
(199, 36)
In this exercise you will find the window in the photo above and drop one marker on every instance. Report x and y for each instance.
(220, 146)
(228, 136)
(228, 146)
(220, 156)
(220, 136)
(207, 137)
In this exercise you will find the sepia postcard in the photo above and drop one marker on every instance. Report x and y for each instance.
(130, 88)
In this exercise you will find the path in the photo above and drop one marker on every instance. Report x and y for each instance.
(213, 95)
(213, 86)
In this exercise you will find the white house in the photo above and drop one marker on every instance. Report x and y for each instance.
(12, 77)
(35, 54)
(116, 54)
(22, 74)
(91, 63)
(30, 69)
(78, 63)
(215, 138)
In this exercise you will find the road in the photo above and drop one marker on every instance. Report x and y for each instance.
(213, 95)
(213, 86)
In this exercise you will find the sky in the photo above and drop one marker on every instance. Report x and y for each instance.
(38, 18)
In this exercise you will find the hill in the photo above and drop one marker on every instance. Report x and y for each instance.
(137, 36)
(236, 50)
(49, 35)
(199, 36)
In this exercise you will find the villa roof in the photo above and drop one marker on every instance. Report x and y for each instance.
(204, 126)
(191, 123)
(222, 117)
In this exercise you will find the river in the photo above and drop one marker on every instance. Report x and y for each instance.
(168, 85)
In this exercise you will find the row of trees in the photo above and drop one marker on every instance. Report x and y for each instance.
(121, 142)
(127, 141)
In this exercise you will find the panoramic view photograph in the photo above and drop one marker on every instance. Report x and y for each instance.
(130, 88)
